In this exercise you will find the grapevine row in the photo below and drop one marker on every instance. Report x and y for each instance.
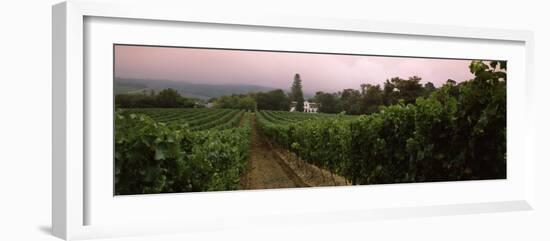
(457, 133)
(197, 119)
(156, 157)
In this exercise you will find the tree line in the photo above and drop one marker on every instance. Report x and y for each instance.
(367, 99)
(166, 98)
(270, 100)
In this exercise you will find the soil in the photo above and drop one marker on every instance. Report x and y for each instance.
(270, 166)
(265, 168)
(310, 174)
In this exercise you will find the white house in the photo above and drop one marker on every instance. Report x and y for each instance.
(309, 107)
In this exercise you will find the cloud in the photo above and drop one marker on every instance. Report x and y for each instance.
(326, 72)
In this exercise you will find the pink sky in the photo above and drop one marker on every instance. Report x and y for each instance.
(319, 72)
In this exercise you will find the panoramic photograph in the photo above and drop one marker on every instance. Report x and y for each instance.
(190, 119)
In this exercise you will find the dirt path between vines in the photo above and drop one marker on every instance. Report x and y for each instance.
(265, 168)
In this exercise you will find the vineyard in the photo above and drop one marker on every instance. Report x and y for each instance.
(161, 150)
(457, 132)
(196, 119)
(180, 150)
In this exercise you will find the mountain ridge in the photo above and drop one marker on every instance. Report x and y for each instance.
(187, 89)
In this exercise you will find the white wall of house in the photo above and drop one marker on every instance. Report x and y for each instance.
(309, 107)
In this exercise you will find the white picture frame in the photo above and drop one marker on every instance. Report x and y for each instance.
(73, 192)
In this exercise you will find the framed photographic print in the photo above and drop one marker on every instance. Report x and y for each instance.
(177, 121)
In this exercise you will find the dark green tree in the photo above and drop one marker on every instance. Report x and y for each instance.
(134, 101)
(429, 88)
(350, 100)
(247, 103)
(273, 100)
(451, 88)
(389, 93)
(328, 103)
(371, 98)
(168, 98)
(408, 90)
(296, 93)
(227, 102)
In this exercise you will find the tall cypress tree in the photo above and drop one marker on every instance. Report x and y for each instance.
(297, 94)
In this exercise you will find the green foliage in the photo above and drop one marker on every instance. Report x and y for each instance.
(157, 157)
(242, 102)
(458, 132)
(227, 101)
(296, 93)
(247, 103)
(350, 101)
(372, 98)
(195, 118)
(328, 103)
(168, 98)
(312, 137)
(273, 100)
(412, 133)
(396, 89)
(429, 88)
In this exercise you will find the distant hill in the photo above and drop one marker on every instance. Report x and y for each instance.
(192, 90)
(126, 88)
